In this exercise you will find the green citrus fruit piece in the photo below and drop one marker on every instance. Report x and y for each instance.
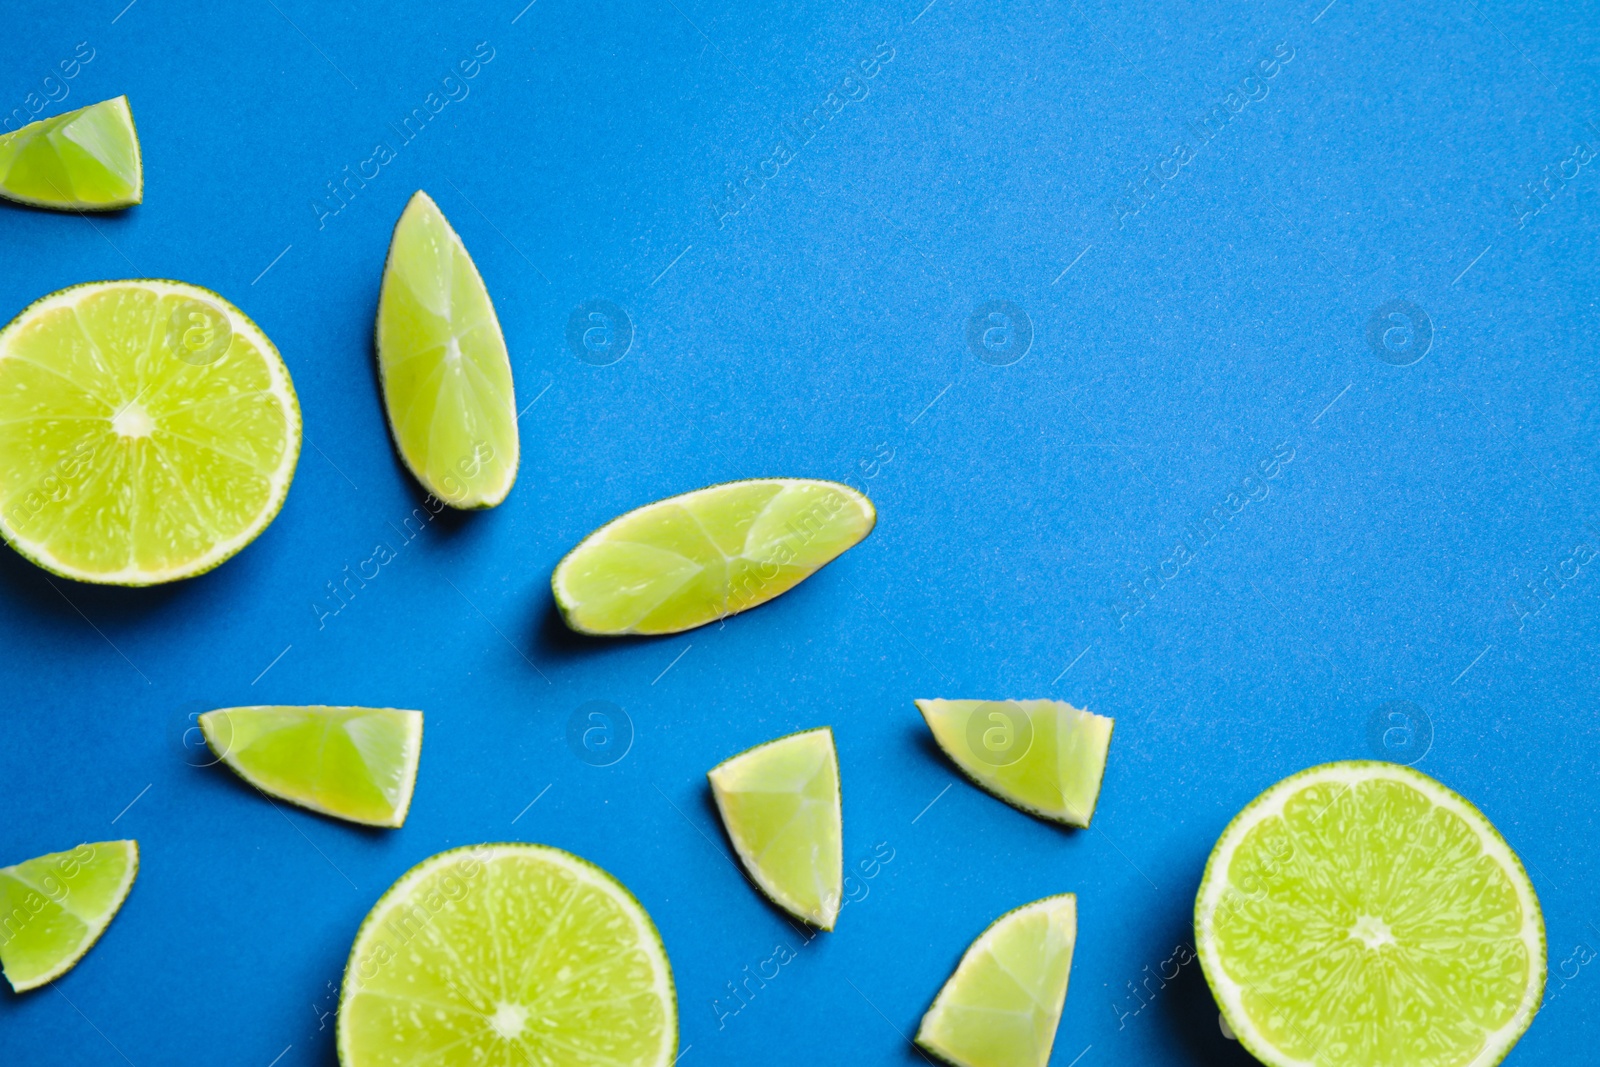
(780, 804)
(1360, 914)
(692, 559)
(54, 908)
(358, 764)
(1001, 1007)
(507, 955)
(84, 160)
(446, 376)
(148, 431)
(1043, 756)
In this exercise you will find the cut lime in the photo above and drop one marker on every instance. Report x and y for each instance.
(148, 431)
(691, 559)
(780, 804)
(54, 908)
(1043, 756)
(84, 160)
(446, 376)
(503, 956)
(358, 764)
(1360, 914)
(1001, 1007)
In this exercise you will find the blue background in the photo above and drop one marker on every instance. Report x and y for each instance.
(822, 331)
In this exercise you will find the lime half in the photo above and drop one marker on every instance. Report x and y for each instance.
(780, 803)
(1002, 1006)
(1360, 914)
(54, 908)
(358, 764)
(446, 376)
(692, 559)
(83, 160)
(148, 431)
(1043, 756)
(503, 956)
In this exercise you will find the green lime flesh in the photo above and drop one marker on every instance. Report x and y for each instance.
(83, 160)
(703, 556)
(1360, 914)
(505, 955)
(55, 907)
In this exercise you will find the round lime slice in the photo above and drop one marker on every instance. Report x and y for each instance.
(692, 559)
(1360, 914)
(358, 764)
(446, 375)
(148, 431)
(83, 160)
(780, 804)
(1002, 1006)
(54, 908)
(506, 955)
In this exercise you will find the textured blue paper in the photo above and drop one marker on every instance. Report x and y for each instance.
(1189, 314)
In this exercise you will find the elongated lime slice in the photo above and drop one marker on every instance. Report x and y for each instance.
(692, 559)
(358, 764)
(148, 431)
(446, 376)
(54, 908)
(1043, 756)
(1002, 1006)
(83, 160)
(1360, 914)
(503, 956)
(780, 804)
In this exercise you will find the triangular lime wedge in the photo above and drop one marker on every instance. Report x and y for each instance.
(780, 804)
(358, 764)
(54, 908)
(1043, 756)
(83, 160)
(702, 556)
(442, 359)
(1001, 1007)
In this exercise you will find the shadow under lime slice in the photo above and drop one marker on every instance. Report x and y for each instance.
(780, 804)
(442, 359)
(1043, 756)
(1003, 1004)
(148, 431)
(702, 556)
(83, 160)
(54, 908)
(1360, 914)
(358, 764)
(504, 955)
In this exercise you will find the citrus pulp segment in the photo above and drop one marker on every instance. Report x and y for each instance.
(1043, 756)
(1002, 1005)
(358, 764)
(148, 431)
(504, 955)
(442, 359)
(84, 160)
(1360, 914)
(692, 559)
(55, 907)
(780, 804)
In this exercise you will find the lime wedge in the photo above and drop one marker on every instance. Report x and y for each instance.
(1043, 756)
(446, 376)
(503, 956)
(83, 160)
(54, 908)
(780, 804)
(148, 431)
(691, 559)
(1001, 1007)
(1360, 914)
(358, 764)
